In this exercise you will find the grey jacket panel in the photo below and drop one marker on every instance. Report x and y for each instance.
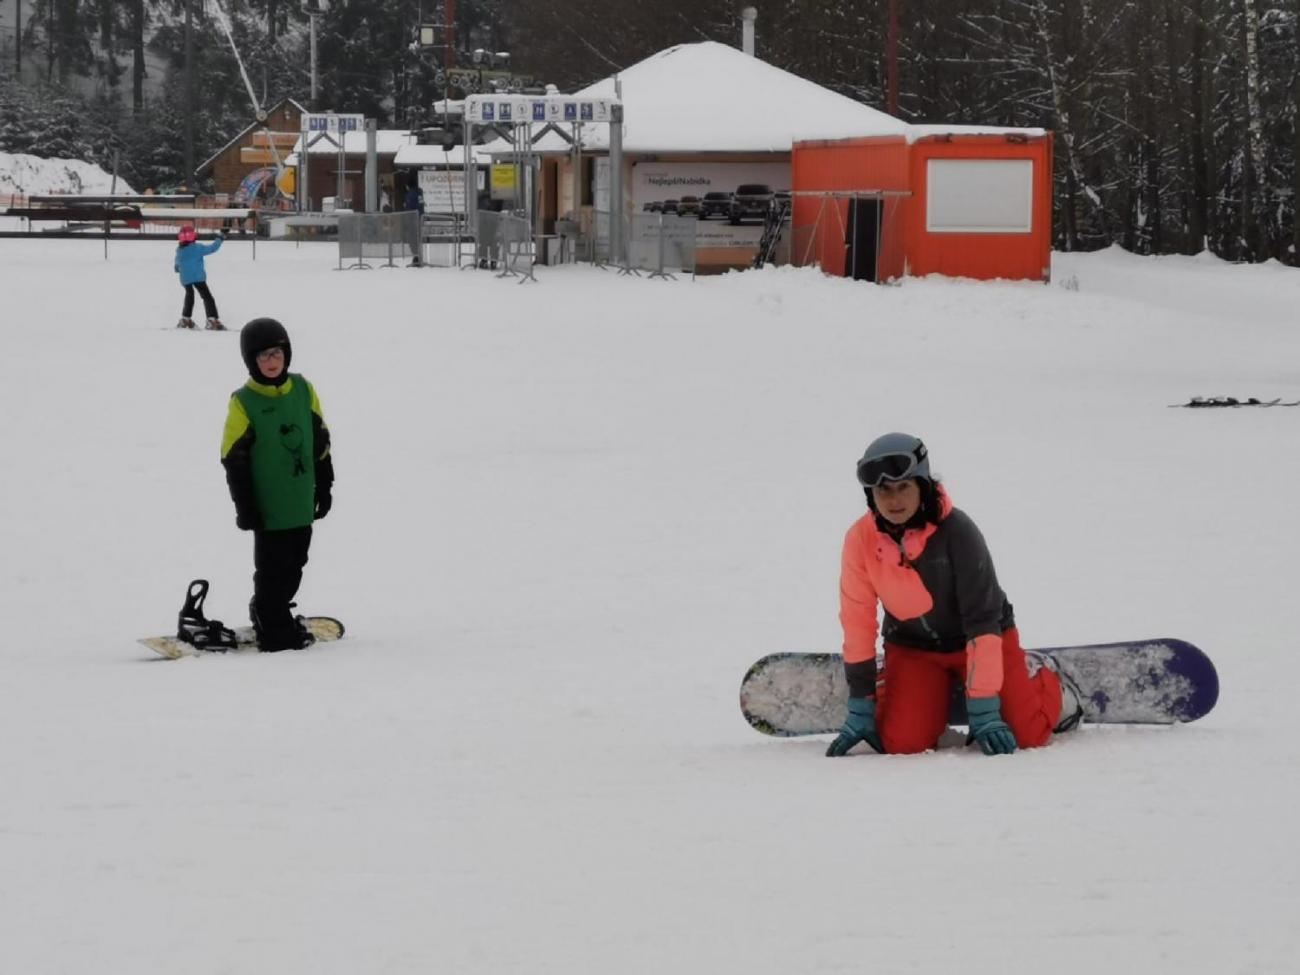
(958, 572)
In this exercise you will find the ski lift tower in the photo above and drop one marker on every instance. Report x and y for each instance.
(513, 118)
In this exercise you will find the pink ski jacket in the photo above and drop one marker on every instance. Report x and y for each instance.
(939, 593)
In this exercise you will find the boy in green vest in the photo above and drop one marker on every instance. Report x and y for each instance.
(276, 451)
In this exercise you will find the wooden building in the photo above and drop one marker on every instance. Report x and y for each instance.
(248, 151)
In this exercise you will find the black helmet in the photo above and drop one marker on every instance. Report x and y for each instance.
(259, 335)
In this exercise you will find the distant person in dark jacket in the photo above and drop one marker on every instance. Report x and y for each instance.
(188, 263)
(414, 196)
(415, 201)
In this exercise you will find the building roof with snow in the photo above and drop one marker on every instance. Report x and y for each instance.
(436, 155)
(387, 142)
(710, 97)
(715, 98)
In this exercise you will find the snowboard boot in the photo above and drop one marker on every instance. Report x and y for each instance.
(185, 323)
(215, 325)
(1071, 697)
(194, 628)
(303, 636)
(289, 634)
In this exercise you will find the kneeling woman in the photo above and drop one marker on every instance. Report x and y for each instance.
(945, 619)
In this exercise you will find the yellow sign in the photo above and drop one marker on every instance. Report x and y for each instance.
(503, 178)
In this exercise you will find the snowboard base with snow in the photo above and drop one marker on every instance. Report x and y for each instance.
(324, 628)
(1161, 681)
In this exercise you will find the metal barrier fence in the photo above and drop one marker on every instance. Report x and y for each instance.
(445, 237)
(592, 242)
(390, 237)
(505, 244)
(662, 243)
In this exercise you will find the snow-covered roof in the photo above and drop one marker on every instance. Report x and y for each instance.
(715, 98)
(435, 155)
(916, 132)
(710, 97)
(387, 142)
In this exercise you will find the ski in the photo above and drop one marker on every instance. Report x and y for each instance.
(1205, 402)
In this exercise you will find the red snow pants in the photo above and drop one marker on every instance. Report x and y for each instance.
(912, 699)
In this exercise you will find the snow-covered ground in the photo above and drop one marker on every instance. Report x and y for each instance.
(568, 516)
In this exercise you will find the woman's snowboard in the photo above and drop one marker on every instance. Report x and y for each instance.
(1143, 682)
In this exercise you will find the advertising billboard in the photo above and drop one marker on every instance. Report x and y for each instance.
(707, 191)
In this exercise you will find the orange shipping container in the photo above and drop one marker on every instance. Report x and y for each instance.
(939, 201)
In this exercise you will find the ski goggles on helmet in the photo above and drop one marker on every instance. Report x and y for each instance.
(872, 471)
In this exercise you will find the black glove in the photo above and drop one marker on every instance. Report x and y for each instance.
(245, 521)
(225, 232)
(324, 501)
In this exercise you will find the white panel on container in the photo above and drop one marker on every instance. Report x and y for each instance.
(979, 196)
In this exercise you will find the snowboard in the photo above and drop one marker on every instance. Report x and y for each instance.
(324, 628)
(1161, 681)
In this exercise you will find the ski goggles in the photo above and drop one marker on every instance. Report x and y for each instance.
(890, 467)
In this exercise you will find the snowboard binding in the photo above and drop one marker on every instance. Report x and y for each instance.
(194, 628)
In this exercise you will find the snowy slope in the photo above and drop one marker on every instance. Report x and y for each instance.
(568, 516)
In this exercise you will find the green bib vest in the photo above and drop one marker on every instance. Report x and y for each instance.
(283, 458)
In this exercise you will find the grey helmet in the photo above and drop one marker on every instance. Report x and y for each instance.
(893, 457)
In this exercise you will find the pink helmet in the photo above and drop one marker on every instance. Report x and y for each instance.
(187, 235)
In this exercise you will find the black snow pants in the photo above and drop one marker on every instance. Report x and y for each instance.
(209, 303)
(278, 561)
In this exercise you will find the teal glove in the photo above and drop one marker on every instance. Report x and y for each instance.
(987, 726)
(859, 725)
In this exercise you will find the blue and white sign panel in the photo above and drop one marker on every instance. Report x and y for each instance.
(530, 109)
(332, 123)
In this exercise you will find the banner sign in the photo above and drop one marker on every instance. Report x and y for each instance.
(655, 184)
(444, 190)
(537, 109)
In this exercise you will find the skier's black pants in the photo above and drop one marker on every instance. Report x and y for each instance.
(278, 560)
(209, 303)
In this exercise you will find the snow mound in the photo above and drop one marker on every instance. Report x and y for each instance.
(23, 174)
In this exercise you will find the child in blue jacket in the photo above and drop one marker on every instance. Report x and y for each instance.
(189, 265)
